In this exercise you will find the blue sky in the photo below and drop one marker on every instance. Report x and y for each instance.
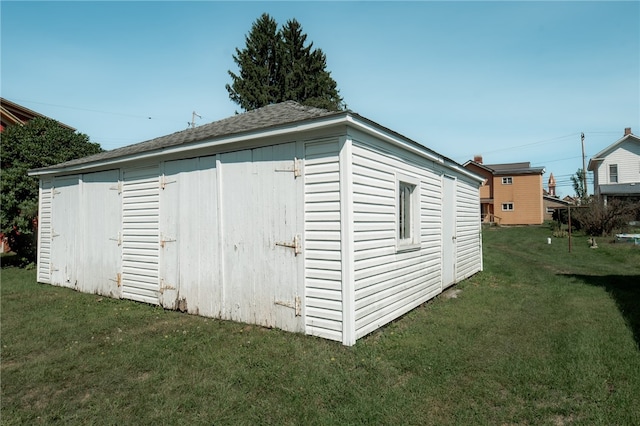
(512, 81)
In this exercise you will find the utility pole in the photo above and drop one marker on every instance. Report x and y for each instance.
(584, 169)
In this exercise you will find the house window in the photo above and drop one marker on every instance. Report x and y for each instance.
(408, 212)
(507, 207)
(613, 173)
(507, 180)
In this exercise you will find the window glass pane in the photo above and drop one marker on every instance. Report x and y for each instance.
(613, 173)
(404, 210)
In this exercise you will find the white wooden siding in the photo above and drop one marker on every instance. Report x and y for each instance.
(389, 283)
(140, 234)
(98, 233)
(44, 231)
(190, 258)
(627, 157)
(449, 232)
(64, 233)
(323, 277)
(261, 200)
(468, 230)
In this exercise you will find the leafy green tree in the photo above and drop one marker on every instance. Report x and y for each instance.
(578, 185)
(277, 66)
(39, 143)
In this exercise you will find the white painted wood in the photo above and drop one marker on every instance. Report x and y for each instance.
(390, 283)
(323, 239)
(190, 258)
(260, 207)
(449, 237)
(468, 230)
(64, 222)
(98, 233)
(347, 219)
(44, 230)
(259, 236)
(626, 156)
(140, 234)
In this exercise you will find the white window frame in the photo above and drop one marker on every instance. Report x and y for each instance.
(507, 207)
(617, 174)
(412, 210)
(508, 180)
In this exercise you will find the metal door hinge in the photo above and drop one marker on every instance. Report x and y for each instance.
(164, 182)
(295, 244)
(164, 239)
(297, 305)
(117, 187)
(118, 279)
(118, 239)
(296, 169)
(164, 286)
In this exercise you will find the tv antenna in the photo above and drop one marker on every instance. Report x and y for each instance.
(192, 123)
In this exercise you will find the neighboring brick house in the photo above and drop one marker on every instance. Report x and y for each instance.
(616, 169)
(511, 193)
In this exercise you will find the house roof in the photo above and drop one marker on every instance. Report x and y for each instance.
(620, 189)
(11, 113)
(549, 198)
(599, 157)
(271, 120)
(523, 168)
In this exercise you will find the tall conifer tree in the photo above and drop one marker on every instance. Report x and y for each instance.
(295, 71)
(257, 84)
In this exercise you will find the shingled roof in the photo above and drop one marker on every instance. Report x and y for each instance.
(270, 116)
(523, 168)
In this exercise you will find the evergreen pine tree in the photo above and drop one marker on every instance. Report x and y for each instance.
(257, 84)
(278, 66)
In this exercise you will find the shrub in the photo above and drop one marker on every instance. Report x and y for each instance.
(599, 220)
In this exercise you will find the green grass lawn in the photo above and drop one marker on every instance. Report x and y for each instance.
(542, 336)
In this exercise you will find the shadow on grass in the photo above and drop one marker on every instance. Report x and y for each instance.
(8, 260)
(625, 290)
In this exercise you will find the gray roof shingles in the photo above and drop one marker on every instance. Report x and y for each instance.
(262, 118)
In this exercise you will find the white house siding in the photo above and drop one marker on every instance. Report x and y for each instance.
(627, 158)
(44, 231)
(388, 282)
(468, 230)
(322, 254)
(140, 234)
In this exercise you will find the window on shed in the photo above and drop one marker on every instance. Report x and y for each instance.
(404, 213)
(507, 180)
(408, 213)
(613, 173)
(507, 207)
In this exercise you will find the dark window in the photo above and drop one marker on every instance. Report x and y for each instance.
(613, 173)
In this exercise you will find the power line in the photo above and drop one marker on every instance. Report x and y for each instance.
(85, 109)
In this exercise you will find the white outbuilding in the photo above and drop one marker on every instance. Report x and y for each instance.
(288, 216)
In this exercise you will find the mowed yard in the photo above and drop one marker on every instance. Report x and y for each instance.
(542, 336)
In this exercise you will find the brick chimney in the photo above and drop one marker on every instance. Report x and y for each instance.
(477, 159)
(627, 131)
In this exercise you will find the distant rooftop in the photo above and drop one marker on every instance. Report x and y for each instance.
(510, 168)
